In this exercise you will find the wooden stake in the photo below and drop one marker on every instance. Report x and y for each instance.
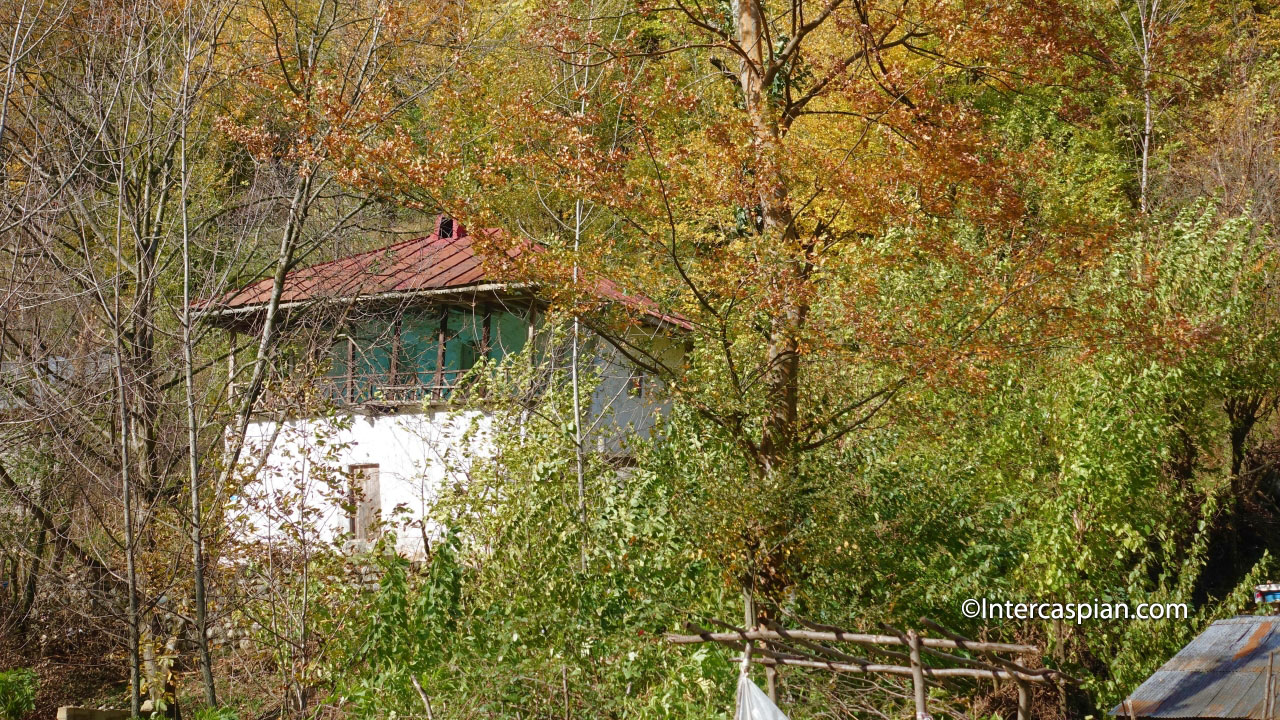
(1024, 700)
(917, 676)
(749, 620)
(564, 678)
(426, 701)
(771, 680)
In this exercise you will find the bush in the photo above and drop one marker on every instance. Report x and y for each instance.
(17, 693)
(215, 713)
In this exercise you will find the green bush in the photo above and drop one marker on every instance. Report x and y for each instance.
(215, 713)
(17, 692)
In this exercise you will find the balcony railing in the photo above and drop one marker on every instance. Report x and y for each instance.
(404, 389)
(367, 389)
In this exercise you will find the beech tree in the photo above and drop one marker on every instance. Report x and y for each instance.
(824, 190)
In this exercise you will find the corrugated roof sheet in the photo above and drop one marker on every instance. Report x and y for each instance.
(426, 264)
(1220, 674)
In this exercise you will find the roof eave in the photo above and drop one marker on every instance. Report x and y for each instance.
(237, 311)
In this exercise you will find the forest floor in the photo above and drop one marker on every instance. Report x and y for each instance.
(82, 669)
(71, 673)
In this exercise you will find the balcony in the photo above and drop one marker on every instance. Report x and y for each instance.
(393, 360)
(371, 391)
(403, 390)
(367, 390)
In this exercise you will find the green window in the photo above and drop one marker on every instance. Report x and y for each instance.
(419, 347)
(362, 366)
(508, 334)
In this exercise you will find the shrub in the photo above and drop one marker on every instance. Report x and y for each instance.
(17, 693)
(215, 713)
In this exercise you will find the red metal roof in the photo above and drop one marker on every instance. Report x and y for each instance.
(420, 265)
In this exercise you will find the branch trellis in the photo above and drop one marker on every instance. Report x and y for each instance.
(772, 645)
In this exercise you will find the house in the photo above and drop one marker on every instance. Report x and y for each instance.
(1228, 671)
(388, 337)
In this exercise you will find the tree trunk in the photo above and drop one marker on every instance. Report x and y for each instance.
(1242, 414)
(578, 450)
(131, 574)
(188, 373)
(33, 572)
(786, 256)
(97, 571)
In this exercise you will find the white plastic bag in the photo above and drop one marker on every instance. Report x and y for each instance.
(753, 704)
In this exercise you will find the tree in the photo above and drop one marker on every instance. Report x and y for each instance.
(134, 194)
(824, 192)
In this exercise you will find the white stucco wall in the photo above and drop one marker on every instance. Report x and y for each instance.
(300, 464)
(303, 464)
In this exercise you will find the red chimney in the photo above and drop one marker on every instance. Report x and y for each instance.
(447, 227)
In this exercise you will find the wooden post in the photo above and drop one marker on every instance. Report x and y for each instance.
(564, 679)
(1024, 700)
(531, 335)
(486, 344)
(351, 368)
(917, 676)
(397, 329)
(232, 339)
(438, 392)
(771, 681)
(426, 701)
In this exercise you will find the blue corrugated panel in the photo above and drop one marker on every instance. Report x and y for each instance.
(1220, 674)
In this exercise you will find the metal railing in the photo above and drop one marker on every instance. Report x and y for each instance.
(404, 389)
(365, 389)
